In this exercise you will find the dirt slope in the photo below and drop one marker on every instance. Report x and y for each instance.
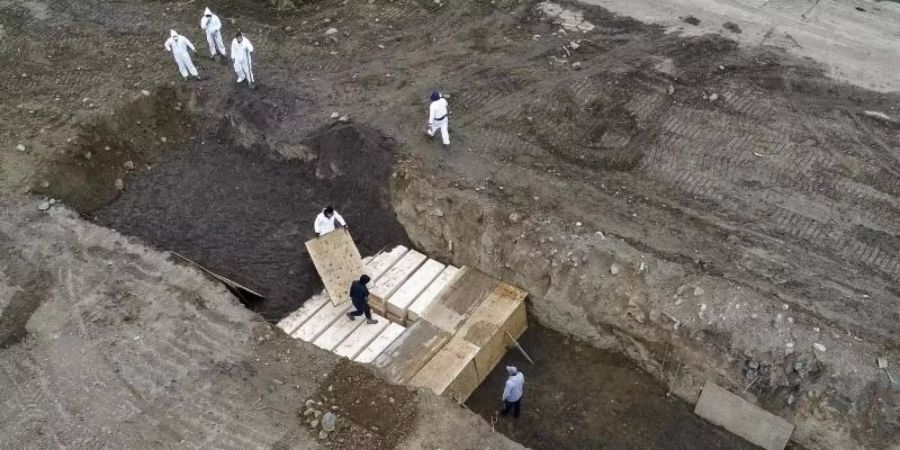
(123, 348)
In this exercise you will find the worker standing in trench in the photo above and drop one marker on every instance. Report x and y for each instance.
(512, 392)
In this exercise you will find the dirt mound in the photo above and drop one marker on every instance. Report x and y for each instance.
(85, 175)
(595, 132)
(245, 212)
(372, 413)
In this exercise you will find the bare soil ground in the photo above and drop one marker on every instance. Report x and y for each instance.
(749, 203)
(245, 212)
(578, 398)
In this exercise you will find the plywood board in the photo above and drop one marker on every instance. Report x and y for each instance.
(447, 277)
(337, 332)
(743, 418)
(409, 353)
(293, 321)
(383, 341)
(451, 372)
(337, 261)
(388, 283)
(360, 338)
(320, 321)
(451, 308)
(384, 261)
(414, 286)
(492, 340)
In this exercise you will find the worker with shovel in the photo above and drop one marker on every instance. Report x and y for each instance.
(359, 295)
(241, 48)
(211, 24)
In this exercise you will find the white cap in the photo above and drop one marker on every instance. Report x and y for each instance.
(512, 370)
(173, 33)
(207, 12)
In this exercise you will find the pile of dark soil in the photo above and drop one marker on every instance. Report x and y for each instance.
(245, 212)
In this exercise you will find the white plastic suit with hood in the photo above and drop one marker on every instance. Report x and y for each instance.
(241, 48)
(179, 46)
(211, 24)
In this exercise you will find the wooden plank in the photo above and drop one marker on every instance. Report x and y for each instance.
(432, 292)
(320, 321)
(388, 283)
(743, 418)
(337, 332)
(360, 338)
(293, 321)
(380, 343)
(384, 261)
(421, 279)
(451, 372)
(337, 261)
(403, 358)
(502, 312)
(449, 310)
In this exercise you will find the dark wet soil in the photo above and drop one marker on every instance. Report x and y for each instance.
(245, 212)
(579, 397)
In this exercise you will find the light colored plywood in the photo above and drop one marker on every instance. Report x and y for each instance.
(409, 353)
(743, 418)
(501, 312)
(360, 338)
(320, 321)
(450, 309)
(451, 372)
(385, 286)
(293, 321)
(337, 332)
(383, 341)
(337, 261)
(382, 262)
(417, 282)
(446, 278)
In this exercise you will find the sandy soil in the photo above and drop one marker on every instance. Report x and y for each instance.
(747, 201)
(857, 41)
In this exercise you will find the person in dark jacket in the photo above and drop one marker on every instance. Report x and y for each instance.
(359, 294)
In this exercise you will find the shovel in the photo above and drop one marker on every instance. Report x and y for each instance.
(883, 365)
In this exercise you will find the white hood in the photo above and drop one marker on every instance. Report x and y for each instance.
(207, 12)
(173, 33)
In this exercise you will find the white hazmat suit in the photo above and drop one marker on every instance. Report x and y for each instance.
(179, 46)
(437, 117)
(240, 54)
(211, 24)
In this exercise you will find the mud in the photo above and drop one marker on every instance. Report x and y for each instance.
(245, 212)
(578, 397)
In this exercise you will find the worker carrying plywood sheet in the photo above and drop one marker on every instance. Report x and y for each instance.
(338, 262)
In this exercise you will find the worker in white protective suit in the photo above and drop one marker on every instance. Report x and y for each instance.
(179, 46)
(211, 24)
(327, 221)
(437, 117)
(241, 48)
